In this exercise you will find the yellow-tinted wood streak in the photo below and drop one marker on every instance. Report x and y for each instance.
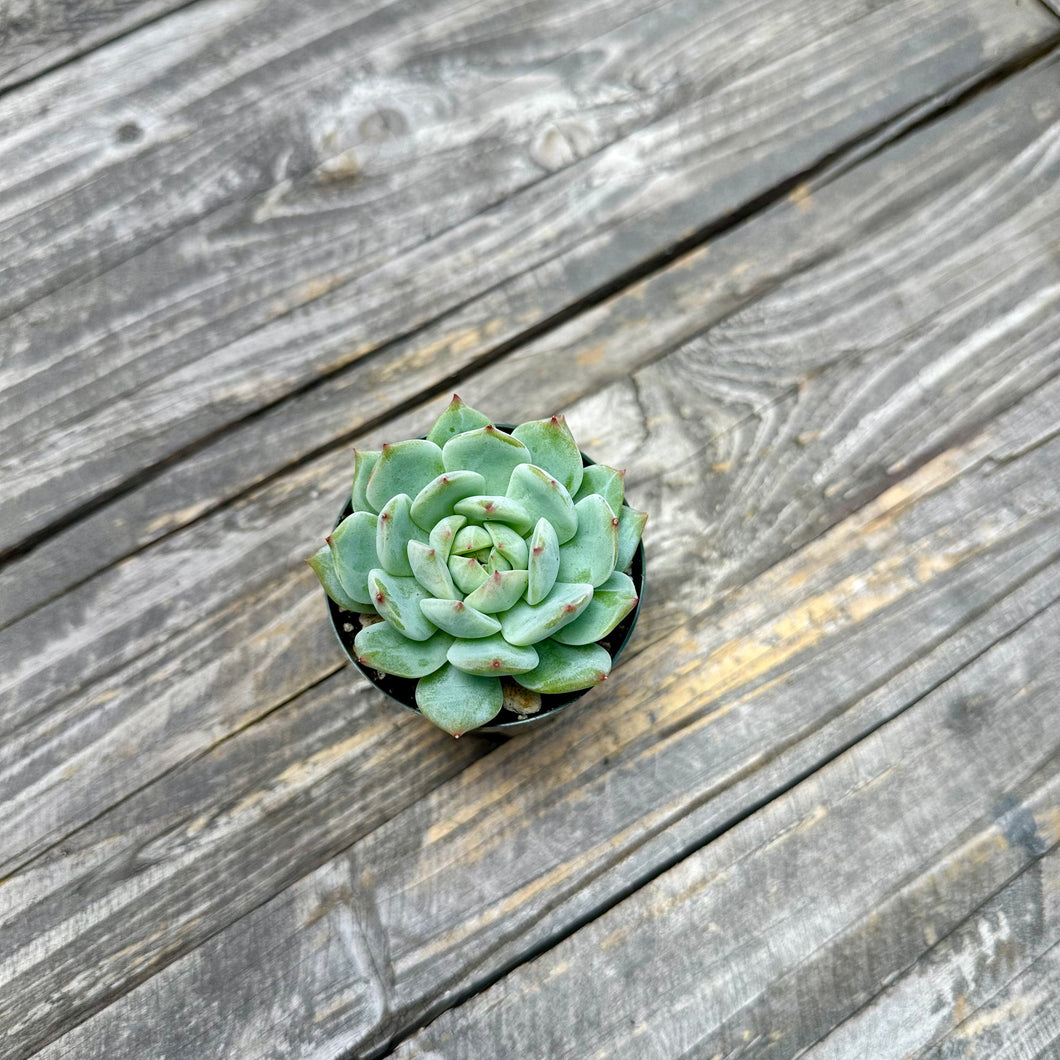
(719, 951)
(794, 266)
(697, 727)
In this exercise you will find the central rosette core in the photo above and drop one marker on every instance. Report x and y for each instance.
(480, 552)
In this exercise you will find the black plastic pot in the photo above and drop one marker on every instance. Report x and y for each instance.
(402, 690)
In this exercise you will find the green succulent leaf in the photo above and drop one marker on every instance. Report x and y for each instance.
(630, 528)
(455, 617)
(471, 539)
(497, 561)
(353, 550)
(394, 530)
(405, 467)
(468, 574)
(488, 556)
(444, 534)
(530, 623)
(490, 452)
(457, 418)
(552, 447)
(458, 701)
(565, 668)
(590, 555)
(611, 602)
(543, 562)
(609, 483)
(509, 543)
(488, 508)
(491, 657)
(431, 571)
(436, 499)
(323, 564)
(383, 648)
(537, 491)
(499, 592)
(364, 461)
(398, 600)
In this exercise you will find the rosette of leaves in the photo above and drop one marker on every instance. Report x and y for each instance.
(488, 555)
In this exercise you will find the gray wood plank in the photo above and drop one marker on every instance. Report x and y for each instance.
(938, 554)
(151, 671)
(1023, 1023)
(540, 835)
(209, 842)
(761, 938)
(976, 991)
(41, 34)
(546, 66)
(661, 165)
(604, 344)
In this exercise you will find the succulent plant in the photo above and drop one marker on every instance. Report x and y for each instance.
(487, 555)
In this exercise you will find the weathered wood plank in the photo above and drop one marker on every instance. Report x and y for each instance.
(979, 986)
(165, 626)
(577, 62)
(257, 812)
(779, 928)
(1016, 122)
(675, 173)
(899, 565)
(40, 34)
(530, 841)
(1023, 1023)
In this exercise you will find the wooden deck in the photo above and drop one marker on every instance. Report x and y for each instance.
(795, 266)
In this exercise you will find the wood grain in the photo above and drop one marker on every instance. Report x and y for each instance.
(664, 162)
(764, 936)
(258, 810)
(606, 343)
(218, 624)
(960, 546)
(991, 982)
(1023, 1021)
(697, 730)
(899, 565)
(38, 35)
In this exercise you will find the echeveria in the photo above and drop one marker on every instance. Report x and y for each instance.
(488, 555)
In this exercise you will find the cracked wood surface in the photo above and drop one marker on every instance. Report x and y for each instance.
(317, 231)
(842, 402)
(38, 35)
(721, 954)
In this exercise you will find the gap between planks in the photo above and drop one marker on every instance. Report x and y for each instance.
(33, 71)
(995, 640)
(842, 159)
(936, 951)
(461, 997)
